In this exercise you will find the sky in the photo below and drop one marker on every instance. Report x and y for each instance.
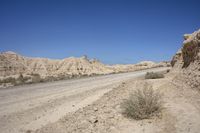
(113, 31)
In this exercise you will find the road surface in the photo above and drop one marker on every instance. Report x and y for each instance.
(30, 107)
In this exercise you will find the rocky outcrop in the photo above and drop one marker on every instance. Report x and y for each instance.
(190, 50)
(187, 60)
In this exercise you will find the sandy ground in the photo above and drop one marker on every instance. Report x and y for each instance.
(181, 113)
(31, 107)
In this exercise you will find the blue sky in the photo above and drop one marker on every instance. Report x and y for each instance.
(114, 31)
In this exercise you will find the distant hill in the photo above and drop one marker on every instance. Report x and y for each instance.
(15, 65)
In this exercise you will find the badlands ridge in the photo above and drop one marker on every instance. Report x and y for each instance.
(15, 65)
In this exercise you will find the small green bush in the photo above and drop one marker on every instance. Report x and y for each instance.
(152, 75)
(143, 103)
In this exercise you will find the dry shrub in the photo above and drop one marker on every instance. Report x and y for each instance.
(9, 80)
(190, 51)
(153, 75)
(143, 103)
(50, 79)
(36, 78)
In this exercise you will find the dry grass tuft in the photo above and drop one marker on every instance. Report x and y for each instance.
(143, 103)
(153, 75)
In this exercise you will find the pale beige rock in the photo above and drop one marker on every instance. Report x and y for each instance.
(13, 64)
(133, 67)
(189, 73)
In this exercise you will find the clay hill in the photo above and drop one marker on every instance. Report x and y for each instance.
(13, 65)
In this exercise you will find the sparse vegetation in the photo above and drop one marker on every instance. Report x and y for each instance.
(15, 81)
(36, 78)
(22, 80)
(143, 103)
(9, 80)
(153, 75)
(190, 51)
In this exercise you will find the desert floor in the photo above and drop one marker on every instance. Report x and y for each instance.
(93, 105)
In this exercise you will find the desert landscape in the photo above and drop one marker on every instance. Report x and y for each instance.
(93, 104)
(17, 69)
(99, 66)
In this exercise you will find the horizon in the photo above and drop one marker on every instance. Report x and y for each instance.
(89, 58)
(114, 32)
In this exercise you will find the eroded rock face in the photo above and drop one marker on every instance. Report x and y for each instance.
(11, 64)
(190, 48)
(177, 59)
(187, 60)
(15, 64)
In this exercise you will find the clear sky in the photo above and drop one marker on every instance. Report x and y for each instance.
(114, 31)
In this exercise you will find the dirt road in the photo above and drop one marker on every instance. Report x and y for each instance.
(30, 107)
(180, 113)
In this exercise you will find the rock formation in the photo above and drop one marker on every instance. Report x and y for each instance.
(15, 64)
(187, 60)
(32, 69)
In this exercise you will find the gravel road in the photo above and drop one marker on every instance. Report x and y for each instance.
(30, 107)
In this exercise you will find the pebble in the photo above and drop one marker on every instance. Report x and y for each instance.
(95, 109)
